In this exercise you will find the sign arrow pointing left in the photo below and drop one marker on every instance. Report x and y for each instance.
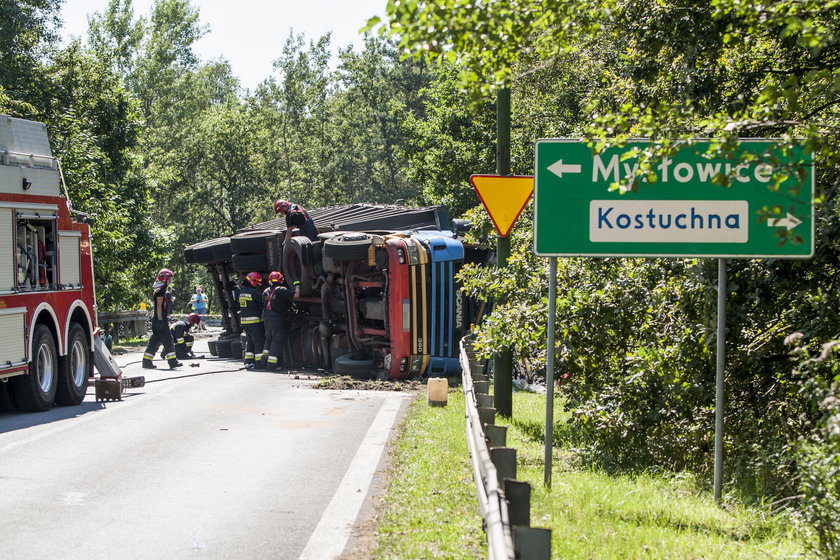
(558, 168)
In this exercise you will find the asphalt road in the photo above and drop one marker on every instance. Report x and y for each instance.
(210, 461)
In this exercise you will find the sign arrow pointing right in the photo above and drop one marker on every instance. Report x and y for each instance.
(790, 221)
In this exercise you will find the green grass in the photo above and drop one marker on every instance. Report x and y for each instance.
(432, 512)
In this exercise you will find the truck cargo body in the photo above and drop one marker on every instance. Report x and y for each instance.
(47, 311)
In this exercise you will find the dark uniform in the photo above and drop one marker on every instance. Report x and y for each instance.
(183, 339)
(299, 218)
(276, 300)
(160, 329)
(250, 317)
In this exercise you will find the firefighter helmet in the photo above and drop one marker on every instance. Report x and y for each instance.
(254, 278)
(275, 277)
(193, 318)
(282, 206)
(164, 275)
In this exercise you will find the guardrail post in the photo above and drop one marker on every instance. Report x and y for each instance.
(484, 401)
(486, 417)
(518, 495)
(495, 436)
(504, 459)
(531, 543)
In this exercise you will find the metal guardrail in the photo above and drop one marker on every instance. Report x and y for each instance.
(505, 502)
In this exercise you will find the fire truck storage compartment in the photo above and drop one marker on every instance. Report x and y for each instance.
(35, 249)
(69, 259)
(13, 341)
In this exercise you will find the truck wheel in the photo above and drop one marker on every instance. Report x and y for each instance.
(348, 247)
(74, 368)
(223, 347)
(202, 253)
(36, 392)
(249, 263)
(236, 349)
(252, 242)
(294, 261)
(346, 365)
(211, 346)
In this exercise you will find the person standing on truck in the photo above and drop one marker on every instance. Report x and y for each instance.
(183, 339)
(250, 317)
(161, 308)
(296, 216)
(276, 300)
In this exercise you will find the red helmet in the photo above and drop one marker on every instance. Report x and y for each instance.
(282, 206)
(254, 278)
(193, 318)
(165, 274)
(275, 277)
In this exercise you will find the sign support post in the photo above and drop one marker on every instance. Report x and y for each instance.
(720, 363)
(549, 370)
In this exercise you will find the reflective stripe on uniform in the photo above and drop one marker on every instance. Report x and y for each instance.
(272, 360)
(250, 320)
(170, 356)
(249, 355)
(179, 340)
(148, 356)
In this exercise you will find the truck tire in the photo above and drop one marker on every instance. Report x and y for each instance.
(202, 253)
(347, 365)
(295, 257)
(250, 263)
(211, 347)
(36, 392)
(348, 246)
(221, 250)
(223, 347)
(252, 242)
(236, 349)
(316, 264)
(74, 368)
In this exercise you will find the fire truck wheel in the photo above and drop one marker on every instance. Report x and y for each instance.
(295, 253)
(347, 365)
(348, 247)
(74, 368)
(36, 392)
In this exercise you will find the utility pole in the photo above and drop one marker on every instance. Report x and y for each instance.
(503, 363)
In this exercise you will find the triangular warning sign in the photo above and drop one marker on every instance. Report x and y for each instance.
(504, 197)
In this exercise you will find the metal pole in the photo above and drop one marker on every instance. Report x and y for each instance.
(549, 369)
(721, 360)
(503, 362)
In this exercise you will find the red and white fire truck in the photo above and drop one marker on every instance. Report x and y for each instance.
(47, 301)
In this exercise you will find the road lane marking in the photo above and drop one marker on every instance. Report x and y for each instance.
(330, 537)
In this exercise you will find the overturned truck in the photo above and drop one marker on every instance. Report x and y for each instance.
(378, 289)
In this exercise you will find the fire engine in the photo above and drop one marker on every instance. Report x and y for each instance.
(47, 300)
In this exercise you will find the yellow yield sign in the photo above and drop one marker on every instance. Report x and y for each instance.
(504, 197)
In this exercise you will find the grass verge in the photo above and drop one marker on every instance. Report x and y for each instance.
(430, 508)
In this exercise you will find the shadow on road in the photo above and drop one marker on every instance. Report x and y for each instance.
(10, 421)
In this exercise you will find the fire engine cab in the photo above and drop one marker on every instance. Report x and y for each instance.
(47, 301)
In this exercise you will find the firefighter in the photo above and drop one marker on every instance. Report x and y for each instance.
(250, 317)
(276, 300)
(183, 339)
(160, 322)
(296, 216)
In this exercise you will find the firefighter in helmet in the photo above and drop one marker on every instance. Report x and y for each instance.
(183, 339)
(276, 300)
(161, 308)
(250, 317)
(296, 216)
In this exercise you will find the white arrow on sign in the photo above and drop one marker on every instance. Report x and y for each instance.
(558, 168)
(790, 221)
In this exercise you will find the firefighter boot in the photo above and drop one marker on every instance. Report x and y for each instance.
(147, 364)
(173, 363)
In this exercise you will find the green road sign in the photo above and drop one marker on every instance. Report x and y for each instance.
(682, 213)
